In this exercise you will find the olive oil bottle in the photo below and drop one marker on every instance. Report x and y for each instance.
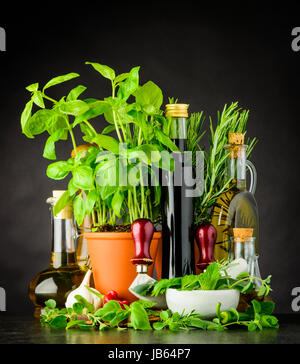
(237, 207)
(177, 208)
(63, 274)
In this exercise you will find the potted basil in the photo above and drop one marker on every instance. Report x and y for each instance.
(109, 169)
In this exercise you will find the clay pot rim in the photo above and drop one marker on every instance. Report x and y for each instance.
(116, 235)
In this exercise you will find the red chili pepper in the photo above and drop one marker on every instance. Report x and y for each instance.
(113, 296)
(124, 302)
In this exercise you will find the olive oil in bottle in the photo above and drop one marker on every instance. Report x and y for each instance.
(177, 209)
(63, 274)
(237, 207)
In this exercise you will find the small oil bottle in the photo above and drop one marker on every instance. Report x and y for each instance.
(236, 207)
(63, 274)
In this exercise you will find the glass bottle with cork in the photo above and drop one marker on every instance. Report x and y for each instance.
(177, 208)
(63, 274)
(236, 207)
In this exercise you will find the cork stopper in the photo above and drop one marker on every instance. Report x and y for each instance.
(65, 213)
(242, 234)
(236, 138)
(177, 110)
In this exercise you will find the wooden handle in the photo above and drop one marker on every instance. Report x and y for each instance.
(142, 231)
(206, 236)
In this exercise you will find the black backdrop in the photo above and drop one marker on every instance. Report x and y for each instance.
(206, 59)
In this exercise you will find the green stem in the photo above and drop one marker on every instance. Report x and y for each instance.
(90, 126)
(245, 279)
(114, 114)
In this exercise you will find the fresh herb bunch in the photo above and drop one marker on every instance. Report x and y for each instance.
(214, 278)
(140, 315)
(231, 120)
(139, 124)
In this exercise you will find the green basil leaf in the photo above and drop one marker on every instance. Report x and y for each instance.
(60, 79)
(90, 201)
(94, 109)
(105, 71)
(209, 279)
(50, 304)
(83, 177)
(73, 323)
(71, 188)
(120, 78)
(267, 308)
(38, 122)
(33, 87)
(75, 93)
(90, 307)
(58, 121)
(78, 308)
(166, 141)
(79, 211)
(130, 85)
(75, 108)
(26, 114)
(119, 317)
(139, 317)
(164, 315)
(63, 201)
(149, 96)
(252, 326)
(109, 307)
(159, 325)
(196, 322)
(58, 170)
(107, 142)
(37, 98)
(108, 129)
(49, 150)
(117, 202)
(59, 322)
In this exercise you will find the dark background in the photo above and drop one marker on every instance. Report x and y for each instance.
(205, 58)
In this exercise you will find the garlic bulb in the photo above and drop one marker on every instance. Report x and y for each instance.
(85, 293)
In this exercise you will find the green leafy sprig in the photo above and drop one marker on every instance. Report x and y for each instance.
(138, 314)
(214, 278)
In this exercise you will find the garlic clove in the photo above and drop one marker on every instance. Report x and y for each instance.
(85, 293)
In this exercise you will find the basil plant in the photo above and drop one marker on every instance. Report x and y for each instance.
(110, 170)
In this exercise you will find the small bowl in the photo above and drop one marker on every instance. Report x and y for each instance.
(201, 302)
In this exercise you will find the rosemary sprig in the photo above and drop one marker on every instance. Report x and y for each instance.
(231, 120)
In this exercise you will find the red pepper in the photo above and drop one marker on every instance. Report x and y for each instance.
(122, 303)
(113, 296)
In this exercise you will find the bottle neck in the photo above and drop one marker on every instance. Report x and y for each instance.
(236, 168)
(178, 128)
(63, 242)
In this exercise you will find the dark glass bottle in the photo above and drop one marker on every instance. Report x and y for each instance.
(177, 209)
(63, 274)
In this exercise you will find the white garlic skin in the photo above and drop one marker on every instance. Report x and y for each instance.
(84, 292)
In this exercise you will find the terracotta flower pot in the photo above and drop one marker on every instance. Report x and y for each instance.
(110, 255)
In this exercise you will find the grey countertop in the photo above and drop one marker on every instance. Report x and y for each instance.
(26, 330)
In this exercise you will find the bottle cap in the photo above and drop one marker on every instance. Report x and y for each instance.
(243, 234)
(177, 110)
(236, 138)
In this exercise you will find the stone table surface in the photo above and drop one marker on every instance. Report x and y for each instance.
(26, 330)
